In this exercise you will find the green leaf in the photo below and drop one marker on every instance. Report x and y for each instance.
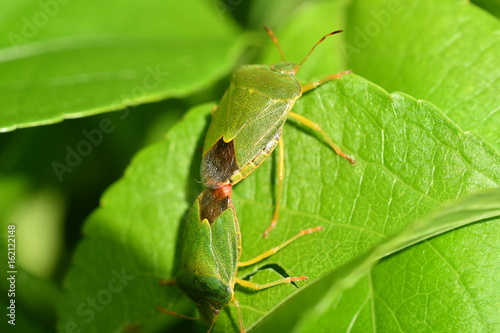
(445, 52)
(67, 59)
(329, 292)
(491, 6)
(130, 241)
(411, 159)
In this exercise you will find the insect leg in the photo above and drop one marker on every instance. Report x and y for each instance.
(175, 314)
(316, 127)
(165, 282)
(330, 77)
(240, 316)
(257, 286)
(281, 176)
(275, 249)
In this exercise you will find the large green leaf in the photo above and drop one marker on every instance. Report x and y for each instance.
(410, 160)
(442, 51)
(68, 59)
(375, 304)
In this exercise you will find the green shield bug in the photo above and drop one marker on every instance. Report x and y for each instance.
(248, 122)
(210, 256)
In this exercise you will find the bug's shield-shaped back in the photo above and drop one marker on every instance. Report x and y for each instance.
(251, 112)
(211, 246)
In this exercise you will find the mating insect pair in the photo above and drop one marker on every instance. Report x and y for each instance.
(209, 262)
(246, 127)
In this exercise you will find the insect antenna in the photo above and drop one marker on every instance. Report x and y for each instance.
(275, 41)
(319, 42)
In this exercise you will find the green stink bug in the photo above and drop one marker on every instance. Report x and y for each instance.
(210, 256)
(247, 124)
